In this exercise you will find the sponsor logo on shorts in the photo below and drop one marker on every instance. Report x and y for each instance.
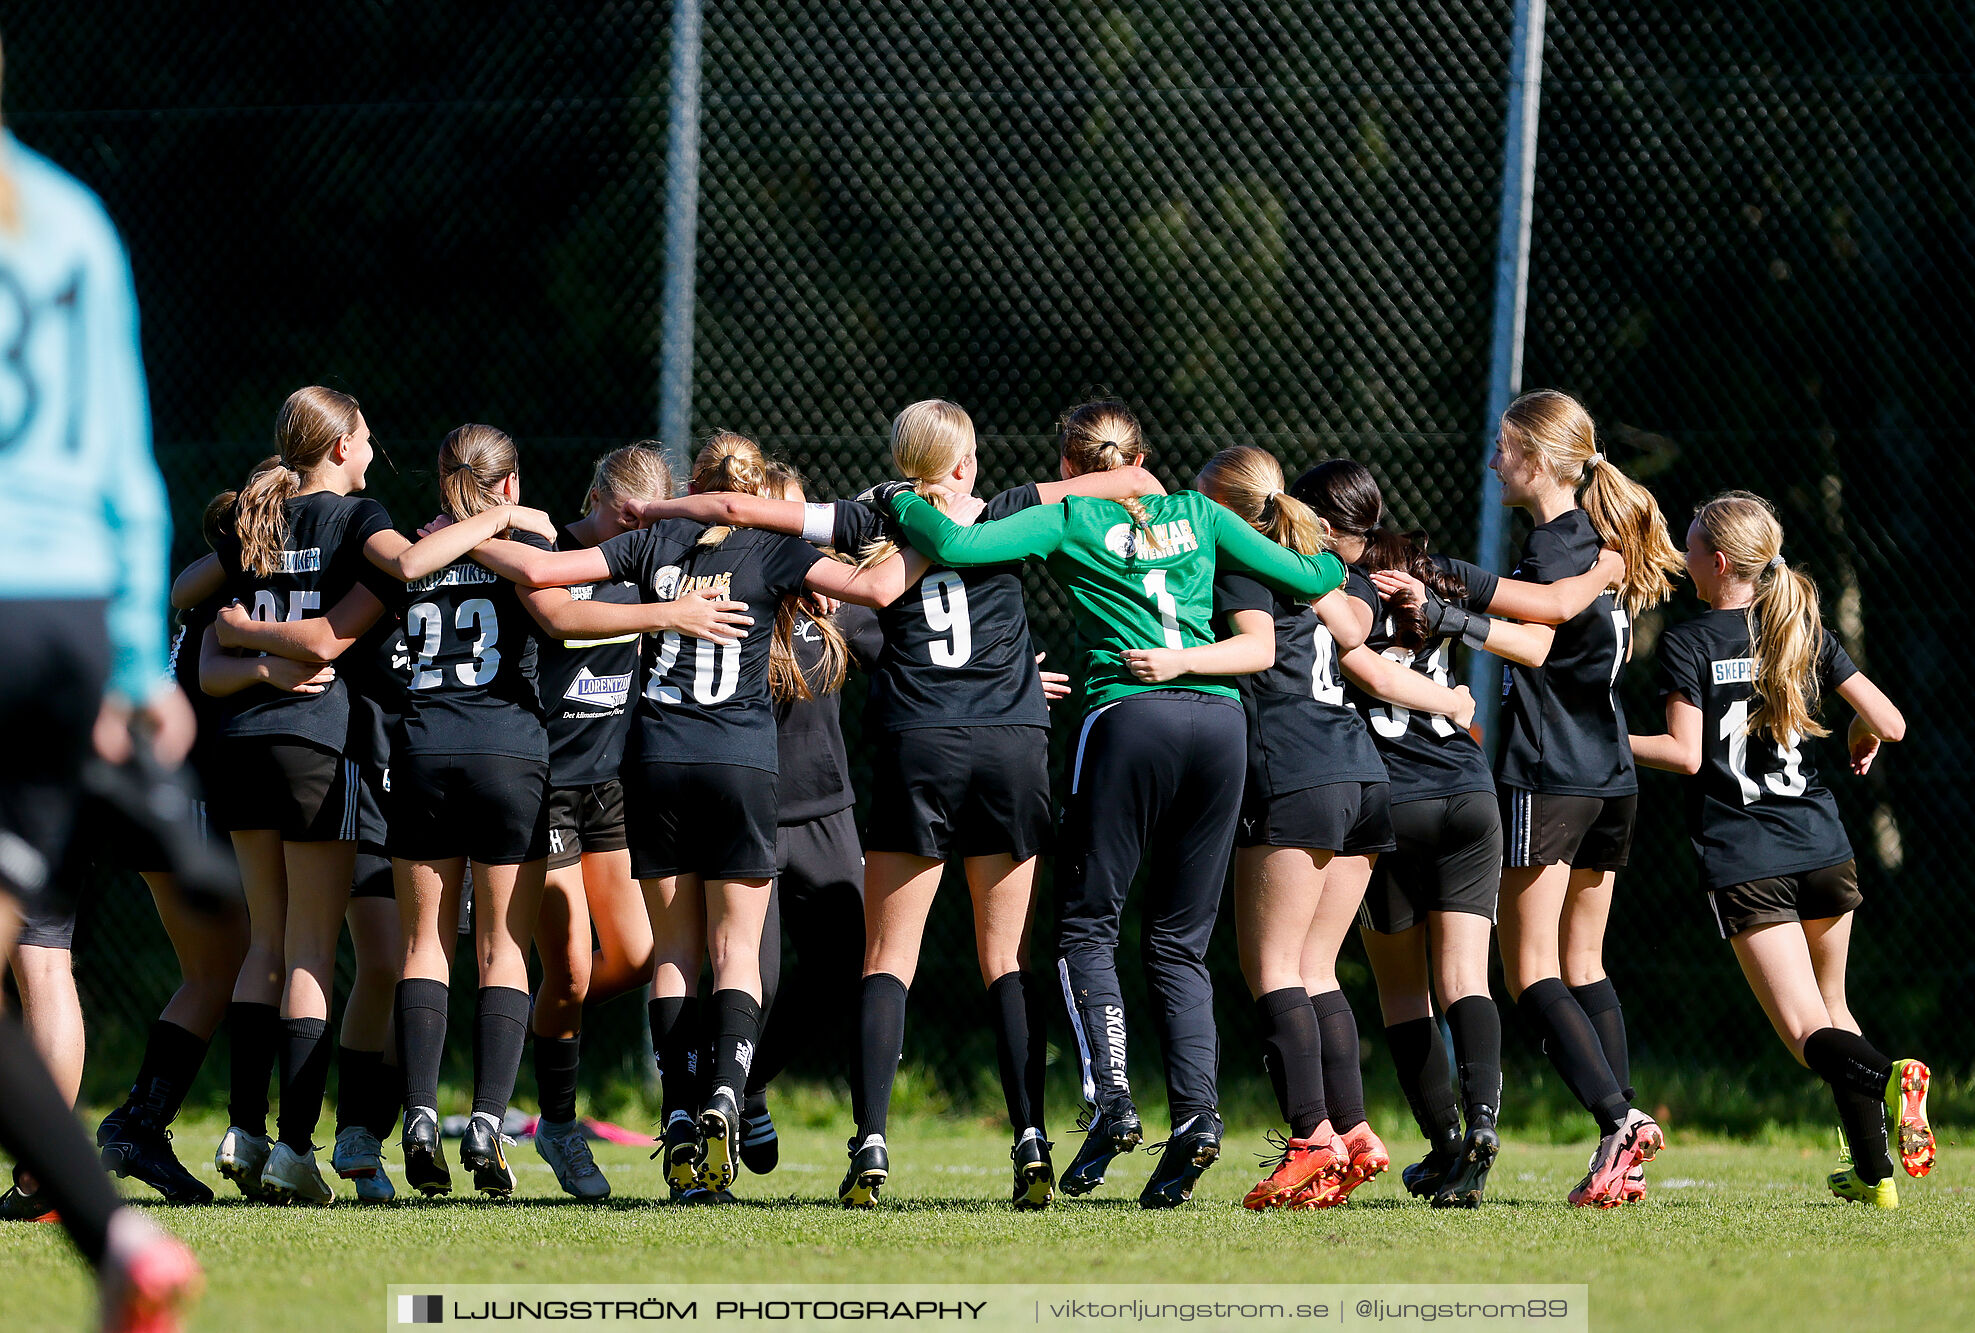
(1735, 671)
(598, 691)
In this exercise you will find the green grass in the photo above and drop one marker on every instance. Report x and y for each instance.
(1734, 1235)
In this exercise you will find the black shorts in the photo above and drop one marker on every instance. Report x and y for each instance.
(373, 833)
(584, 821)
(820, 856)
(493, 809)
(54, 657)
(942, 792)
(300, 790)
(716, 821)
(1449, 859)
(1348, 818)
(1808, 895)
(1582, 832)
(373, 876)
(48, 918)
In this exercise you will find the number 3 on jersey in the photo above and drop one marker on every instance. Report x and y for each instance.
(1789, 782)
(944, 598)
(476, 618)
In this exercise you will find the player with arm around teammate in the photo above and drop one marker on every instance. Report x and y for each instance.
(960, 722)
(1155, 775)
(1428, 912)
(700, 795)
(1565, 780)
(1314, 822)
(1742, 684)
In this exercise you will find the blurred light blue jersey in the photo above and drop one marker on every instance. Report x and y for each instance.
(82, 507)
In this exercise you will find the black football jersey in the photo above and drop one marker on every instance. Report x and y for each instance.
(957, 651)
(706, 702)
(1755, 810)
(587, 688)
(814, 766)
(1564, 727)
(1302, 732)
(322, 560)
(378, 669)
(469, 670)
(208, 712)
(1426, 754)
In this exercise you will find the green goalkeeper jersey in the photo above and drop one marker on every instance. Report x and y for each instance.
(1130, 586)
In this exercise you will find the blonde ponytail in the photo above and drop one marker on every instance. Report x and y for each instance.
(1103, 436)
(1248, 482)
(1785, 623)
(1555, 429)
(729, 462)
(929, 439)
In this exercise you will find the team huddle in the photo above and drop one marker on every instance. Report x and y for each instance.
(615, 744)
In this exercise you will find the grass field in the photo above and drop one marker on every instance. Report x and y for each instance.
(1733, 1236)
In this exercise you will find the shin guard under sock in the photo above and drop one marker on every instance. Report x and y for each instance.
(880, 1042)
(421, 1021)
(1573, 1047)
(1344, 1074)
(1476, 1026)
(1599, 1001)
(253, 1036)
(1420, 1058)
(1293, 1049)
(500, 1026)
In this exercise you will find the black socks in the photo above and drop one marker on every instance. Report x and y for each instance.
(39, 1129)
(1420, 1057)
(1599, 1001)
(1857, 1073)
(736, 1029)
(674, 1042)
(880, 1042)
(305, 1052)
(1476, 1026)
(172, 1056)
(368, 1091)
(1572, 1044)
(253, 1033)
(1292, 1052)
(421, 1020)
(500, 1025)
(1344, 1075)
(1015, 1006)
(556, 1063)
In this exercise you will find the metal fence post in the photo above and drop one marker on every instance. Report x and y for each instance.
(1511, 304)
(675, 369)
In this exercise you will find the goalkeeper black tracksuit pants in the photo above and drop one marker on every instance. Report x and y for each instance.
(1155, 778)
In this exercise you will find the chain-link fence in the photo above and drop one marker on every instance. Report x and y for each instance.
(1754, 239)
